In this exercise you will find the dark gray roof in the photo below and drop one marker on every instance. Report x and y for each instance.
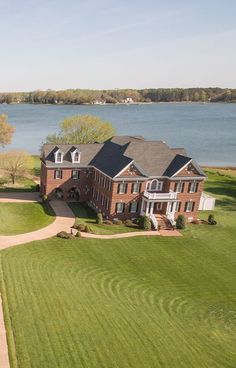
(154, 158)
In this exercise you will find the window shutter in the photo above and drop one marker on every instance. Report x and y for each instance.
(197, 187)
(140, 186)
(132, 190)
(189, 187)
(130, 205)
(137, 207)
(126, 186)
(193, 206)
(116, 206)
(175, 187)
(118, 188)
(183, 187)
(185, 206)
(123, 207)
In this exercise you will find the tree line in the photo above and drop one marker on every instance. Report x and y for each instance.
(82, 96)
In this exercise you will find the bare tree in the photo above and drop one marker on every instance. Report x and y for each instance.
(15, 163)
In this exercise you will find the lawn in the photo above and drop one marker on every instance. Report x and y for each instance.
(18, 218)
(128, 303)
(85, 215)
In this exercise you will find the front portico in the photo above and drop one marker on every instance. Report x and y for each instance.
(159, 203)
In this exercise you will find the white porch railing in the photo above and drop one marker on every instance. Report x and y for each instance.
(170, 217)
(154, 221)
(160, 196)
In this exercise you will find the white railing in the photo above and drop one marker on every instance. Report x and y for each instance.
(163, 196)
(154, 221)
(170, 217)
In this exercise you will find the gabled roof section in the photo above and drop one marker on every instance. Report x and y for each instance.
(176, 164)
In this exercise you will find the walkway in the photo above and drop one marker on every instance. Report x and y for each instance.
(132, 234)
(18, 197)
(63, 222)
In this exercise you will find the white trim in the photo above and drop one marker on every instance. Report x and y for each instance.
(56, 154)
(183, 167)
(73, 156)
(126, 167)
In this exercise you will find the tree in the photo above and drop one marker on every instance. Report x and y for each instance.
(6, 131)
(82, 129)
(15, 163)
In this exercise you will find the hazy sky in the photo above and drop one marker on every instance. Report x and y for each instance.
(117, 44)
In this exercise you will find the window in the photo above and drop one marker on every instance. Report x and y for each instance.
(193, 187)
(58, 157)
(178, 206)
(179, 187)
(75, 174)
(133, 208)
(120, 207)
(189, 206)
(136, 188)
(122, 188)
(155, 185)
(58, 174)
(75, 156)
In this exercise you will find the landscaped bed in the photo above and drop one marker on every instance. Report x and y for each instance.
(85, 215)
(19, 218)
(148, 302)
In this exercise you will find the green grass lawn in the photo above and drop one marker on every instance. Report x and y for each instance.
(128, 303)
(19, 218)
(85, 215)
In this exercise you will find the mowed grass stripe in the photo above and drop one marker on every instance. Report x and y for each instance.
(122, 303)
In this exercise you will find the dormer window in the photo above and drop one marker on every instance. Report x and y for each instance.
(59, 157)
(75, 156)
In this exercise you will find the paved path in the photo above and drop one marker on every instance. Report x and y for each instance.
(63, 222)
(4, 359)
(131, 234)
(17, 197)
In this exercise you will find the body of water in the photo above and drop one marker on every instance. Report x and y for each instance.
(207, 131)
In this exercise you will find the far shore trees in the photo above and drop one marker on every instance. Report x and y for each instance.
(15, 163)
(6, 131)
(82, 129)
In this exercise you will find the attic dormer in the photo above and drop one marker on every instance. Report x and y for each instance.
(59, 155)
(75, 156)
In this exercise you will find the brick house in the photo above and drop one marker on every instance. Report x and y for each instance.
(125, 177)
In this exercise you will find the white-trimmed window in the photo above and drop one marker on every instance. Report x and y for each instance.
(193, 187)
(59, 157)
(75, 174)
(133, 208)
(189, 206)
(155, 185)
(75, 156)
(120, 207)
(136, 188)
(178, 206)
(179, 187)
(122, 188)
(57, 174)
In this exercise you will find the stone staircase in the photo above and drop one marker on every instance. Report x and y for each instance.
(163, 222)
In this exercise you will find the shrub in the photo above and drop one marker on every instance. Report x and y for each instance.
(117, 222)
(87, 229)
(37, 187)
(64, 235)
(138, 221)
(44, 198)
(146, 223)
(80, 227)
(108, 222)
(129, 223)
(78, 234)
(99, 218)
(211, 220)
(180, 222)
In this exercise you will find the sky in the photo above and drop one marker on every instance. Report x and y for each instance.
(101, 44)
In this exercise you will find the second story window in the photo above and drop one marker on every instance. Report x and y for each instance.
(136, 188)
(75, 174)
(122, 188)
(58, 174)
(179, 187)
(155, 185)
(193, 187)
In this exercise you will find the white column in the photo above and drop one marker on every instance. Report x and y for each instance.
(151, 208)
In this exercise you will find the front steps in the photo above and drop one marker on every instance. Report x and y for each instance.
(163, 222)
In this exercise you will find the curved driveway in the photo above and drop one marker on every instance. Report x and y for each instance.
(63, 222)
